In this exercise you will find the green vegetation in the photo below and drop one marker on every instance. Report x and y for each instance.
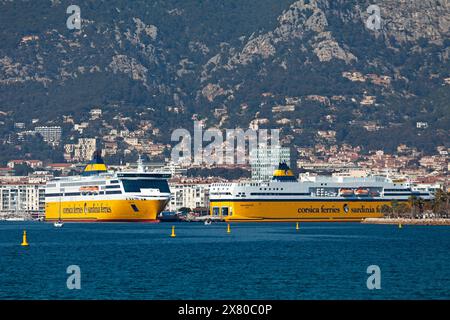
(177, 67)
(417, 207)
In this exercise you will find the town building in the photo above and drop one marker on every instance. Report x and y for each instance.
(95, 114)
(80, 152)
(22, 200)
(263, 161)
(64, 168)
(51, 135)
(31, 163)
(6, 172)
(186, 195)
(19, 125)
(175, 169)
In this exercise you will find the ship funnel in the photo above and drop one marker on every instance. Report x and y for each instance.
(283, 173)
(96, 166)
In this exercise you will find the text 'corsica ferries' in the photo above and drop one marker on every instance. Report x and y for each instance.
(311, 199)
(101, 196)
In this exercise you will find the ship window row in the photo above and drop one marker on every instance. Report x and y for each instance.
(397, 190)
(221, 193)
(278, 194)
(53, 194)
(223, 211)
(144, 175)
(114, 192)
(71, 194)
(137, 185)
(82, 184)
(113, 186)
(406, 194)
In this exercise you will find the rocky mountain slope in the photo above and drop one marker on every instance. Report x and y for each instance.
(304, 66)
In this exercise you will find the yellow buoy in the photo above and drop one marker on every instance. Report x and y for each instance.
(228, 228)
(173, 235)
(24, 239)
(297, 227)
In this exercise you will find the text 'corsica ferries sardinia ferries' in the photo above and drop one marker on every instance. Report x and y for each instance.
(312, 199)
(100, 196)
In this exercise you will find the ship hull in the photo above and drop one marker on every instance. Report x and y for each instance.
(105, 210)
(339, 210)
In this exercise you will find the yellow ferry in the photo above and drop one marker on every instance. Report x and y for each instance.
(100, 196)
(320, 198)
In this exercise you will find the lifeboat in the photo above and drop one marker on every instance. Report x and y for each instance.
(93, 188)
(361, 192)
(87, 191)
(346, 192)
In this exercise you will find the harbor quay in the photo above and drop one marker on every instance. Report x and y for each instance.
(408, 221)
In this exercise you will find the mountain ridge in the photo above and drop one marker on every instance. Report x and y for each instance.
(210, 60)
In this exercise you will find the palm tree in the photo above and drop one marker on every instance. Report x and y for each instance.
(421, 204)
(386, 210)
(447, 199)
(395, 207)
(412, 200)
(441, 199)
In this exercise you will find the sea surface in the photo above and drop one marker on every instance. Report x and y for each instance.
(254, 261)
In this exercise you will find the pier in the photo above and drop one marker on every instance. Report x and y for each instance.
(408, 221)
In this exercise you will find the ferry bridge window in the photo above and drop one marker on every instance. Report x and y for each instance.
(215, 211)
(137, 185)
(225, 211)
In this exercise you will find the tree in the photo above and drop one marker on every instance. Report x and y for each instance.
(421, 205)
(386, 210)
(395, 208)
(440, 204)
(22, 170)
(413, 202)
(403, 209)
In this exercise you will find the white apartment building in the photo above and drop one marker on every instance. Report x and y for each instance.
(175, 169)
(95, 113)
(263, 161)
(51, 135)
(82, 151)
(85, 149)
(22, 200)
(188, 196)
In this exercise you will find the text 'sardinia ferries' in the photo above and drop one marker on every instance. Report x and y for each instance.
(98, 195)
(311, 199)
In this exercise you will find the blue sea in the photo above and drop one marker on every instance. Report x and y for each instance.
(254, 261)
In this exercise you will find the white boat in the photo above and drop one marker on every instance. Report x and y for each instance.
(14, 219)
(58, 224)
